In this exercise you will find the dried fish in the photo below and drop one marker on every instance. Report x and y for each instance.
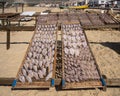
(29, 79)
(35, 75)
(24, 72)
(40, 56)
(49, 76)
(22, 79)
(35, 68)
(30, 73)
(40, 73)
(79, 64)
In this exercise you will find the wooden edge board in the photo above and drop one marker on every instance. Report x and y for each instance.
(104, 26)
(17, 28)
(41, 83)
(85, 84)
(32, 85)
(62, 53)
(113, 82)
(6, 81)
(112, 17)
(58, 81)
(55, 56)
(67, 23)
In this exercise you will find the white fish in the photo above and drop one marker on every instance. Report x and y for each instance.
(50, 67)
(30, 73)
(76, 52)
(24, 72)
(22, 79)
(40, 64)
(30, 66)
(35, 68)
(29, 79)
(26, 66)
(36, 75)
(66, 50)
(36, 62)
(72, 51)
(48, 76)
(29, 54)
(40, 74)
(44, 71)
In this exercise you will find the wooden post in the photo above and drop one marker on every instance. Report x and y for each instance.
(3, 22)
(35, 20)
(16, 7)
(8, 39)
(3, 3)
(22, 7)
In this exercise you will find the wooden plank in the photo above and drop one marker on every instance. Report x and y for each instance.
(113, 82)
(58, 81)
(62, 55)
(98, 27)
(54, 64)
(6, 81)
(17, 28)
(3, 8)
(22, 7)
(84, 84)
(8, 39)
(36, 85)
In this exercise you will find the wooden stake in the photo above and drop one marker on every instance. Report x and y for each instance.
(3, 7)
(22, 7)
(8, 39)
(16, 7)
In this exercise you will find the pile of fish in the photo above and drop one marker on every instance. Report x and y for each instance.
(38, 64)
(79, 64)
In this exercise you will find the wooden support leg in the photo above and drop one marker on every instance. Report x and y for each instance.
(35, 20)
(8, 39)
(22, 7)
(19, 23)
(16, 7)
(3, 22)
(3, 8)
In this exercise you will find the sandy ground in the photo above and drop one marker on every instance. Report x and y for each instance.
(36, 9)
(11, 59)
(107, 58)
(53, 92)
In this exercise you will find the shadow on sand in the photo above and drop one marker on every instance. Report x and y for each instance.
(112, 45)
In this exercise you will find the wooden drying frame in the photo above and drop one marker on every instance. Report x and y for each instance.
(37, 84)
(82, 84)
